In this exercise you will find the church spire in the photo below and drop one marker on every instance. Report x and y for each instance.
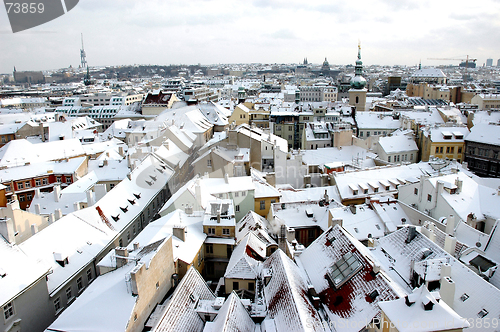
(358, 81)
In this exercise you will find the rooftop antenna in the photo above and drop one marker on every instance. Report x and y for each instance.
(83, 59)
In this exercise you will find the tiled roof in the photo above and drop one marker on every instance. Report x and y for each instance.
(233, 317)
(180, 314)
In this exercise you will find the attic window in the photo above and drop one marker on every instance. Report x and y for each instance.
(482, 313)
(3, 274)
(125, 209)
(131, 201)
(428, 306)
(464, 297)
(343, 269)
(160, 170)
(373, 294)
(378, 227)
(137, 195)
(116, 218)
(149, 183)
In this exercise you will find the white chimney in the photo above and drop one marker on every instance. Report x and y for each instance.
(447, 291)
(37, 192)
(136, 246)
(51, 218)
(34, 229)
(450, 243)
(58, 214)
(197, 192)
(450, 224)
(76, 206)
(100, 191)
(90, 198)
(57, 192)
(37, 208)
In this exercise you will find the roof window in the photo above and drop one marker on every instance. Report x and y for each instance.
(346, 267)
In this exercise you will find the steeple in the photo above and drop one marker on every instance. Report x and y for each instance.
(358, 81)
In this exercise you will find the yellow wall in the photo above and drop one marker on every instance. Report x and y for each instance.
(267, 201)
(242, 283)
(218, 231)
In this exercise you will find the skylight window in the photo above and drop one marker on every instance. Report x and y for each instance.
(482, 313)
(346, 267)
(464, 297)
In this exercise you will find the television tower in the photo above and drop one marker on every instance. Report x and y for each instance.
(83, 59)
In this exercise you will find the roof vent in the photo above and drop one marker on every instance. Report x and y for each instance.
(412, 233)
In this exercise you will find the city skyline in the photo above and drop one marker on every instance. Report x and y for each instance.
(126, 32)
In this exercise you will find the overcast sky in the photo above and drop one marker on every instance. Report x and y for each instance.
(124, 32)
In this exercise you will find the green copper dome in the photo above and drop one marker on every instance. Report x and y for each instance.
(358, 81)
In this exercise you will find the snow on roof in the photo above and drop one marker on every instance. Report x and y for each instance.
(484, 133)
(286, 296)
(295, 214)
(416, 318)
(232, 317)
(18, 271)
(72, 238)
(313, 193)
(408, 173)
(244, 261)
(252, 222)
(111, 170)
(429, 72)
(262, 187)
(445, 134)
(430, 117)
(344, 154)
(106, 305)
(352, 301)
(180, 313)
(395, 144)
(172, 155)
(41, 169)
(472, 293)
(376, 120)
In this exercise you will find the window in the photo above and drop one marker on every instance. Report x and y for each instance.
(237, 208)
(89, 275)
(452, 149)
(237, 194)
(209, 248)
(447, 149)
(225, 231)
(68, 179)
(389, 159)
(38, 182)
(8, 310)
(459, 149)
(57, 304)
(415, 191)
(429, 197)
(311, 233)
(343, 269)
(79, 284)
(27, 184)
(29, 197)
(45, 181)
(20, 185)
(236, 285)
(211, 230)
(251, 286)
(21, 198)
(209, 163)
(157, 284)
(262, 205)
(59, 179)
(8, 188)
(68, 294)
(243, 193)
(441, 149)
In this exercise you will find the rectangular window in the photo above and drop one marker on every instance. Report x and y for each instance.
(311, 233)
(29, 197)
(437, 149)
(8, 188)
(209, 248)
(441, 149)
(68, 179)
(429, 197)
(415, 191)
(225, 231)
(389, 158)
(89, 275)
(38, 182)
(79, 284)
(262, 205)
(209, 162)
(68, 294)
(236, 285)
(21, 198)
(452, 149)
(447, 149)
(57, 304)
(211, 230)
(243, 193)
(45, 181)
(8, 310)
(251, 286)
(236, 194)
(27, 184)
(59, 179)
(20, 185)
(459, 149)
(237, 208)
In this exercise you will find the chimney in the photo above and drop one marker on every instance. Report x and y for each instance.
(197, 192)
(121, 254)
(42, 133)
(76, 206)
(218, 217)
(226, 178)
(34, 229)
(57, 192)
(105, 162)
(100, 191)
(90, 198)
(412, 232)
(136, 246)
(167, 145)
(7, 230)
(121, 151)
(180, 232)
(447, 290)
(37, 209)
(459, 184)
(271, 178)
(450, 224)
(58, 214)
(450, 243)
(37, 192)
(439, 187)
(52, 219)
